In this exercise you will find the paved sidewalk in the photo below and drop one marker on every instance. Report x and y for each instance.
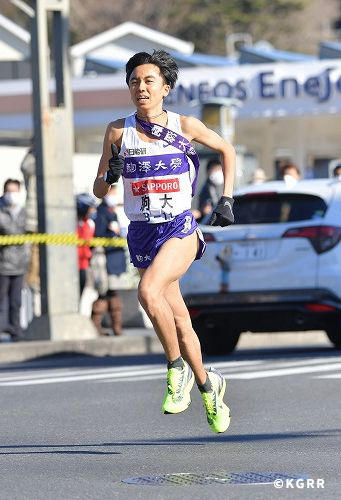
(144, 341)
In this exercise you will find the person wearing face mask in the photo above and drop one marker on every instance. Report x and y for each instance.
(337, 172)
(107, 226)
(212, 189)
(290, 173)
(14, 259)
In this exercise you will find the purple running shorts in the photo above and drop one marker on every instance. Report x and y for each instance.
(145, 239)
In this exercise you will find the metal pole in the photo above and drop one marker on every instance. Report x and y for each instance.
(53, 138)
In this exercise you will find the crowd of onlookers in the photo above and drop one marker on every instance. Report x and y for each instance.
(20, 262)
(100, 268)
(102, 222)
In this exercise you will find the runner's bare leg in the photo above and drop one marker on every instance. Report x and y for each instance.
(171, 262)
(188, 340)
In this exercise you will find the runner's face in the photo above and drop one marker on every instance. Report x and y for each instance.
(148, 88)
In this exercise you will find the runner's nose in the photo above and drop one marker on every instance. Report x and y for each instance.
(141, 85)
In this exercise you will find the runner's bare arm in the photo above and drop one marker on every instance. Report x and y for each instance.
(113, 135)
(195, 130)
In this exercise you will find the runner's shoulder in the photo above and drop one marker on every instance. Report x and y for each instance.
(115, 130)
(189, 125)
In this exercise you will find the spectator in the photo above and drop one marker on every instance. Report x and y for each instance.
(86, 206)
(258, 176)
(212, 190)
(337, 172)
(290, 173)
(107, 226)
(13, 259)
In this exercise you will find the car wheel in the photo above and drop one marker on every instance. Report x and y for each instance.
(216, 339)
(334, 334)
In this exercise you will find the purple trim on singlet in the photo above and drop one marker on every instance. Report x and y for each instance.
(136, 167)
(172, 138)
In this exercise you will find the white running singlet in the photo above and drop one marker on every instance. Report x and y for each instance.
(157, 176)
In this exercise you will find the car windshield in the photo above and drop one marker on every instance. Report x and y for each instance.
(265, 208)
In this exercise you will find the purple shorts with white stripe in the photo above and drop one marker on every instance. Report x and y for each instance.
(145, 239)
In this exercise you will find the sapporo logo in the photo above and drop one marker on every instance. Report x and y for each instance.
(155, 186)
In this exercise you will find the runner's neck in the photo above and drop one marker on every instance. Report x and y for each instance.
(148, 117)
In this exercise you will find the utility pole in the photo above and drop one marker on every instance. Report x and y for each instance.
(54, 144)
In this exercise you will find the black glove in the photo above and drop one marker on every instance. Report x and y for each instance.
(116, 164)
(223, 215)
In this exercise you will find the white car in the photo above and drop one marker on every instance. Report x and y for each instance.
(278, 268)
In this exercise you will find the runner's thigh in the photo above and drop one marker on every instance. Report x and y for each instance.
(172, 261)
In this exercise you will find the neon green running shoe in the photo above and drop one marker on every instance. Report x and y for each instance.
(177, 397)
(218, 414)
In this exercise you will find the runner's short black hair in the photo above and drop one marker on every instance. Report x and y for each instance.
(164, 61)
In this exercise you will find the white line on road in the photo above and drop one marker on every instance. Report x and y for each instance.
(121, 370)
(305, 362)
(35, 380)
(76, 378)
(64, 373)
(285, 371)
(148, 372)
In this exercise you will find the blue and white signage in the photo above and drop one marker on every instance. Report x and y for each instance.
(276, 89)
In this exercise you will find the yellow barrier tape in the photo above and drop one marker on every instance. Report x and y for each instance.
(60, 239)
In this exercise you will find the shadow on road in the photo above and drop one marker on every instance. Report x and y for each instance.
(59, 452)
(183, 441)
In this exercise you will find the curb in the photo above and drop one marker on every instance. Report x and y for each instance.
(148, 344)
(116, 346)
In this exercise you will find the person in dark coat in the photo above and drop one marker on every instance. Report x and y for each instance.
(107, 226)
(14, 259)
(212, 189)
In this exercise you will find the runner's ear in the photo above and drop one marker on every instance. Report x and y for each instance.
(167, 89)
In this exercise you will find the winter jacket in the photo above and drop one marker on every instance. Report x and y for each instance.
(85, 231)
(14, 259)
(116, 258)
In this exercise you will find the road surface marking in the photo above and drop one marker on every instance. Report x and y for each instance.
(138, 373)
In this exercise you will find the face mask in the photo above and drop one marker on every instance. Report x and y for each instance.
(110, 200)
(12, 198)
(217, 178)
(289, 180)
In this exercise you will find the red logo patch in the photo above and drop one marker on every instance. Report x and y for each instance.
(155, 186)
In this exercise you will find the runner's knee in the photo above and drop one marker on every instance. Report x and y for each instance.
(148, 296)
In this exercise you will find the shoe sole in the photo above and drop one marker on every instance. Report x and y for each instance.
(188, 390)
(221, 395)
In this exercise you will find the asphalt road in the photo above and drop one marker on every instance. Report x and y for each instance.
(76, 427)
